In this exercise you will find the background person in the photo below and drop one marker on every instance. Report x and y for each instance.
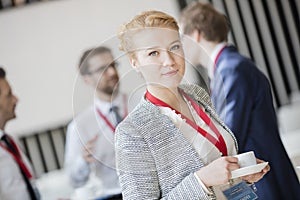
(242, 97)
(90, 136)
(16, 175)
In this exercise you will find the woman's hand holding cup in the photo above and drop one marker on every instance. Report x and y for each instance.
(248, 159)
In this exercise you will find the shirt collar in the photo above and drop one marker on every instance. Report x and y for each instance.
(213, 57)
(104, 106)
(1, 133)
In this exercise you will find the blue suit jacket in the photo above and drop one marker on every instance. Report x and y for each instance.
(242, 97)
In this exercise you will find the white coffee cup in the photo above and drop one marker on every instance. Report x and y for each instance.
(246, 159)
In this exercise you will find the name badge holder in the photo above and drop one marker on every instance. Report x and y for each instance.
(240, 191)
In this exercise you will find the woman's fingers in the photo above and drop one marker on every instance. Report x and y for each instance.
(232, 163)
(231, 159)
(252, 178)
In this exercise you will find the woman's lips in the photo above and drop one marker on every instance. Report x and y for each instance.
(170, 73)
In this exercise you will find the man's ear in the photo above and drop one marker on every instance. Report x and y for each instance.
(197, 36)
(87, 79)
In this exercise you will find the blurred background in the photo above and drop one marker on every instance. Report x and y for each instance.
(41, 42)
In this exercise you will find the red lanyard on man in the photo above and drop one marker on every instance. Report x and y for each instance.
(16, 154)
(217, 57)
(109, 124)
(215, 65)
(219, 143)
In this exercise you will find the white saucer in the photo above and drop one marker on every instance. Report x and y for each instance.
(248, 170)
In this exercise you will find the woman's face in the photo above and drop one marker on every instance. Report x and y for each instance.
(159, 57)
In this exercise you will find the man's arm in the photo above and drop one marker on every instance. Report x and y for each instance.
(76, 167)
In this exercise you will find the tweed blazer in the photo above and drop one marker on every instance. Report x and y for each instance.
(154, 160)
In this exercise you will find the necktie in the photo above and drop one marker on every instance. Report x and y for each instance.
(115, 110)
(25, 173)
(9, 144)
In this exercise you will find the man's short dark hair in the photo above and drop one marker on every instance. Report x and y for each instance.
(2, 73)
(83, 65)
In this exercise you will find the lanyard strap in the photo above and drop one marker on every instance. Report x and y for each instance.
(217, 57)
(109, 124)
(106, 120)
(220, 143)
(17, 156)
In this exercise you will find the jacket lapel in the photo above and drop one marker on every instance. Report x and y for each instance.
(201, 96)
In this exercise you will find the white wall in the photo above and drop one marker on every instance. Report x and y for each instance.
(40, 45)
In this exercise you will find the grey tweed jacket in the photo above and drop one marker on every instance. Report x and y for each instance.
(154, 160)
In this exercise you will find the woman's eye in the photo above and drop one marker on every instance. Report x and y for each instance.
(153, 53)
(175, 47)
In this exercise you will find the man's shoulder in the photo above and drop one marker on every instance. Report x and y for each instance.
(236, 62)
(240, 69)
(84, 116)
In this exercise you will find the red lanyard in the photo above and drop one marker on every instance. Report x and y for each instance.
(220, 143)
(109, 124)
(17, 157)
(218, 55)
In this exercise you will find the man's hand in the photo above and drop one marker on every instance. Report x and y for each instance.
(88, 150)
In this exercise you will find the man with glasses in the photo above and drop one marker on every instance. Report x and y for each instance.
(90, 153)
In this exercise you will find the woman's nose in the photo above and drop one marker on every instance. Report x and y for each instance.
(168, 59)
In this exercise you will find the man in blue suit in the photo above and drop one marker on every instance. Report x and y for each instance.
(242, 96)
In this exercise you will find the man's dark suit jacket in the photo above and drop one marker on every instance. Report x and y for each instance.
(242, 96)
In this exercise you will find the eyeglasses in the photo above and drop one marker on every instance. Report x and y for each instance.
(103, 68)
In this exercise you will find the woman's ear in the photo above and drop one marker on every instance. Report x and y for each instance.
(133, 64)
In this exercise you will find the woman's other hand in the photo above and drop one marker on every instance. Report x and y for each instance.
(252, 178)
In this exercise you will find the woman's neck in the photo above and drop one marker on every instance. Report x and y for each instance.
(173, 98)
(170, 96)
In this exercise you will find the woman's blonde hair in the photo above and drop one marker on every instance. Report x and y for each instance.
(146, 19)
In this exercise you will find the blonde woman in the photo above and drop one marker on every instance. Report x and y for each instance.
(172, 145)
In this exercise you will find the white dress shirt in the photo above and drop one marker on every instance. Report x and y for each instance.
(12, 184)
(213, 57)
(83, 128)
